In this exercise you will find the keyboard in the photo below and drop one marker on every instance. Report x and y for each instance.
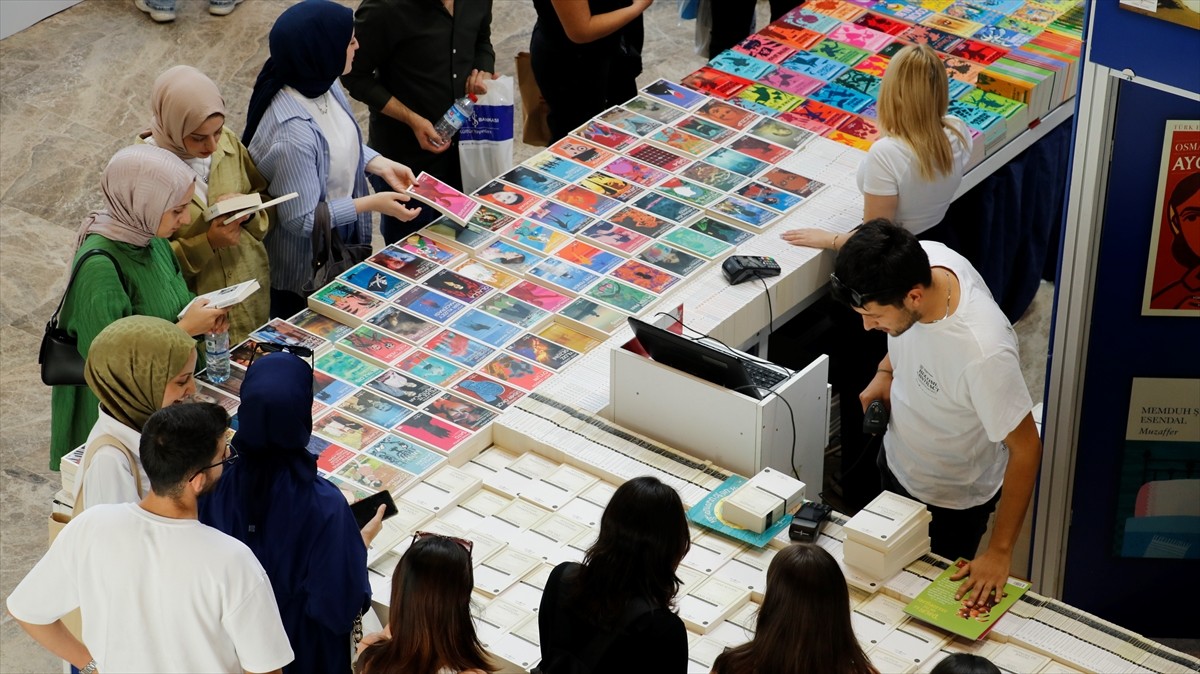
(761, 375)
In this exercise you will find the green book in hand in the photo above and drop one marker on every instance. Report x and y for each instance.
(937, 606)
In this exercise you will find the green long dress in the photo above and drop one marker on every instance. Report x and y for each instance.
(153, 287)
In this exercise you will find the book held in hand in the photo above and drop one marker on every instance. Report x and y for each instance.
(937, 606)
(225, 297)
(243, 205)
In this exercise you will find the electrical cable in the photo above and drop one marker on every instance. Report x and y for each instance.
(791, 414)
(785, 372)
(770, 309)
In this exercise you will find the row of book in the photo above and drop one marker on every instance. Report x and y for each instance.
(820, 66)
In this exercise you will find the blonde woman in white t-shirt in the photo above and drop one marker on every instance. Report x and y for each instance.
(911, 174)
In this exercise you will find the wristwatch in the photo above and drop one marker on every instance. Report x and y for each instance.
(90, 668)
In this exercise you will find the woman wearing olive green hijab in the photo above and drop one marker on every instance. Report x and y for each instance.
(135, 366)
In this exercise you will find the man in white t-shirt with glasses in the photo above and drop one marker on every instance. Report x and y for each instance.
(158, 591)
(961, 425)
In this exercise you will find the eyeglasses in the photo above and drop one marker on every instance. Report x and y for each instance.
(231, 455)
(272, 347)
(466, 545)
(849, 295)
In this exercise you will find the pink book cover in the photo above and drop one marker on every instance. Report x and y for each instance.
(637, 172)
(861, 37)
(580, 150)
(792, 82)
(507, 197)
(538, 296)
(444, 198)
(805, 122)
(605, 135)
(765, 49)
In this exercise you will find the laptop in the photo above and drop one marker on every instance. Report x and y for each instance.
(710, 363)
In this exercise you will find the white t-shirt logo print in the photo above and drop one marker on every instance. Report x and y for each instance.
(927, 382)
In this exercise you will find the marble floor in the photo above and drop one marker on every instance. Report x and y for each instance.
(73, 90)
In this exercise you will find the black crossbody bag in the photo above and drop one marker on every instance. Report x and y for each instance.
(58, 356)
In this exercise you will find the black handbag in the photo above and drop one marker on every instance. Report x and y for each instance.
(59, 357)
(331, 255)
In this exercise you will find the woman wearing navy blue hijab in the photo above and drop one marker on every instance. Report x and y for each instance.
(297, 524)
(303, 138)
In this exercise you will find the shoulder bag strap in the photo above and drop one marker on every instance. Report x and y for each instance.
(102, 440)
(75, 271)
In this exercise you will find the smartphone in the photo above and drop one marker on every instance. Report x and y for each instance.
(365, 509)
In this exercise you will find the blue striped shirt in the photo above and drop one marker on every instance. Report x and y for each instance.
(292, 154)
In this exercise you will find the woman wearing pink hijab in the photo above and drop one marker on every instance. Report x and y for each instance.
(189, 120)
(147, 191)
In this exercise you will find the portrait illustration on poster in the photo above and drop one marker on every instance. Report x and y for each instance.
(1173, 272)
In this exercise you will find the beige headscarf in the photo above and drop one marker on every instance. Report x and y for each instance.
(140, 183)
(130, 363)
(183, 99)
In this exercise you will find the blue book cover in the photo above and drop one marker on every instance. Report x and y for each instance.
(958, 89)
(485, 327)
(404, 454)
(558, 167)
(842, 98)
(812, 65)
(707, 514)
(374, 280)
(742, 65)
(528, 179)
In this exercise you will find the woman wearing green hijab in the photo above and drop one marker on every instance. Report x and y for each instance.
(135, 366)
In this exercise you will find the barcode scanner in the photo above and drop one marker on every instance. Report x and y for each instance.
(875, 418)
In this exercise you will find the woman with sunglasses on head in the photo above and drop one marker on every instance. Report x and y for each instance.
(429, 628)
(136, 366)
(303, 137)
(298, 525)
(622, 593)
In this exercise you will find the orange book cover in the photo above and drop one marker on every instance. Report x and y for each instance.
(1006, 86)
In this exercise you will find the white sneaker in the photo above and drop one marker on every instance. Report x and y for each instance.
(223, 10)
(159, 15)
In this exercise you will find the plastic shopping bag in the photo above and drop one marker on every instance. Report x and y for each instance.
(485, 144)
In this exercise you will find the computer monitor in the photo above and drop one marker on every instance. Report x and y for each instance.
(712, 364)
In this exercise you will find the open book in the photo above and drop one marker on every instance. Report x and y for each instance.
(243, 205)
(225, 297)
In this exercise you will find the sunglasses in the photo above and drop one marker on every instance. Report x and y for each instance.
(231, 455)
(421, 535)
(850, 296)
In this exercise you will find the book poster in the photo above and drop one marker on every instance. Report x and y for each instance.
(1158, 510)
(1173, 273)
(1182, 13)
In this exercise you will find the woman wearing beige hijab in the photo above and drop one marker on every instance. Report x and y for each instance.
(147, 192)
(189, 120)
(136, 366)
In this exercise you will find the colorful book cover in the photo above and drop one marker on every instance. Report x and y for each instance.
(883, 24)
(861, 128)
(761, 94)
(969, 12)
(768, 196)
(659, 157)
(860, 37)
(674, 94)
(705, 129)
(611, 186)
(1032, 14)
(792, 82)
(319, 325)
(279, 331)
(936, 605)
(713, 176)
(209, 394)
(506, 197)
(490, 219)
(818, 112)
(726, 115)
(457, 286)
(740, 64)
(488, 391)
(515, 371)
(803, 18)
(765, 49)
(563, 274)
(328, 389)
(842, 53)
(756, 108)
(666, 207)
(395, 320)
(736, 162)
(960, 27)
(979, 52)
(432, 431)
(447, 200)
(374, 280)
(957, 88)
(723, 232)
(459, 412)
(648, 107)
(781, 133)
(615, 237)
(598, 316)
(604, 135)
(589, 257)
(692, 193)
(245, 353)
(812, 65)
(560, 168)
(759, 149)
(559, 217)
(464, 236)
(633, 171)
(404, 454)
(406, 389)
(681, 141)
(962, 69)
(629, 121)
(707, 513)
(859, 81)
(535, 236)
(847, 139)
(458, 348)
(430, 368)
(474, 269)
(402, 262)
(836, 9)
(371, 473)
(514, 311)
(579, 150)
(986, 100)
(935, 5)
(792, 36)
(353, 492)
(347, 368)
(347, 300)
(431, 305)
(840, 97)
(542, 351)
(538, 295)
(908, 11)
(939, 40)
(429, 249)
(644, 276)
(533, 181)
(586, 200)
(332, 456)
(1006, 85)
(485, 328)
(672, 259)
(1002, 37)
(622, 296)
(715, 82)
(346, 430)
(894, 48)
(568, 338)
(374, 345)
(370, 406)
(874, 65)
(974, 117)
(743, 212)
(508, 257)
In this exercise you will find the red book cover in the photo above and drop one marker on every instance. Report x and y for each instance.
(715, 83)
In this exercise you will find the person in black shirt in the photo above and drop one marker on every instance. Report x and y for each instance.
(415, 58)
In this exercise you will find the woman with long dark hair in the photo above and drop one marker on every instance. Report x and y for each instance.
(804, 622)
(614, 610)
(429, 628)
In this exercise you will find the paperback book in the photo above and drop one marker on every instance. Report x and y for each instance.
(557, 166)
(605, 136)
(659, 157)
(741, 212)
(377, 409)
(408, 390)
(344, 303)
(741, 64)
(620, 295)
(538, 295)
(429, 249)
(611, 186)
(703, 128)
(590, 317)
(447, 200)
(629, 121)
(533, 181)
(491, 219)
(633, 171)
(457, 286)
(460, 412)
(328, 390)
(736, 162)
(458, 347)
(715, 82)
(542, 351)
(937, 606)
(791, 182)
(374, 280)
(508, 258)
(371, 473)
(615, 238)
(433, 431)
(405, 454)
(430, 368)
(513, 310)
(560, 217)
(487, 391)
(720, 231)
(319, 325)
(578, 150)
(726, 115)
(374, 346)
(225, 297)
(640, 221)
(712, 176)
(434, 306)
(645, 276)
(790, 35)
(569, 338)
(402, 262)
(345, 430)
(464, 236)
(792, 82)
(506, 197)
(515, 371)
(764, 49)
(672, 259)
(347, 367)
(666, 207)
(681, 141)
(770, 97)
(485, 328)
(689, 192)
(562, 274)
(279, 331)
(649, 107)
(474, 269)
(765, 195)
(586, 200)
(697, 243)
(399, 322)
(673, 94)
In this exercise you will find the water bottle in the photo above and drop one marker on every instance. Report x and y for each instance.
(216, 349)
(458, 114)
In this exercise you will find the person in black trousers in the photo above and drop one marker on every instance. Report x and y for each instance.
(733, 21)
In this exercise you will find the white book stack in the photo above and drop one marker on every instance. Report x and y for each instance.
(710, 601)
(527, 592)
(68, 469)
(911, 642)
(518, 649)
(763, 500)
(702, 652)
(886, 536)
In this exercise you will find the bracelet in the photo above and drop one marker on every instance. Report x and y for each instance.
(835, 238)
(888, 372)
(89, 668)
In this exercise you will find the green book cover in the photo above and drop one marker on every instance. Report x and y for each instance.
(937, 606)
(986, 100)
(707, 514)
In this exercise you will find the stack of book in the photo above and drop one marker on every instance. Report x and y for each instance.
(887, 535)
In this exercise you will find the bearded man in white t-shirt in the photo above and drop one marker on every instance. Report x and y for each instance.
(157, 590)
(960, 425)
